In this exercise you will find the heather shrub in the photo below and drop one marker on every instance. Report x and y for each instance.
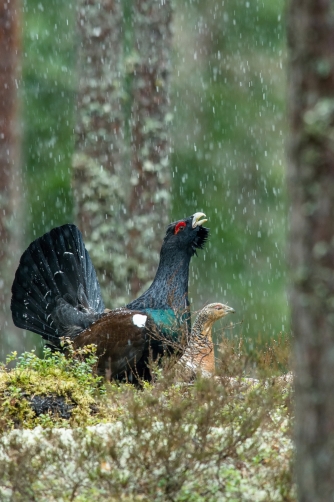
(223, 438)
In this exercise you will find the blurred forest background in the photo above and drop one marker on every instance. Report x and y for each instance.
(226, 127)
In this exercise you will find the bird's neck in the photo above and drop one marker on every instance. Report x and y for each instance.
(170, 286)
(200, 351)
(202, 331)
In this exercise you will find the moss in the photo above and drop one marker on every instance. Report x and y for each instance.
(53, 391)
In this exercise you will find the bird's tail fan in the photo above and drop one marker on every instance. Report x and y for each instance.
(55, 291)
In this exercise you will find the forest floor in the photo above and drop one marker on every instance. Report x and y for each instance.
(227, 438)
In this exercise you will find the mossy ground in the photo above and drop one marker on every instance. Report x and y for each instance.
(225, 438)
(69, 381)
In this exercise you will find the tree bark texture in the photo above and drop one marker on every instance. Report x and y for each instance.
(99, 174)
(150, 178)
(10, 175)
(123, 197)
(311, 186)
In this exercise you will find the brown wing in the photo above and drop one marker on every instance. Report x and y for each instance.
(120, 336)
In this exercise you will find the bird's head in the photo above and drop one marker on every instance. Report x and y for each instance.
(187, 234)
(207, 317)
(215, 311)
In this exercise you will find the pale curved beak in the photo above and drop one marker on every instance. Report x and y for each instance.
(197, 220)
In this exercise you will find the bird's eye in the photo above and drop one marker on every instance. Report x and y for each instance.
(218, 307)
(179, 227)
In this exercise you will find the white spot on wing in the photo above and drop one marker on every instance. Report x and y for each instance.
(139, 320)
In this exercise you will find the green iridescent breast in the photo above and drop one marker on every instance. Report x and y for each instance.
(168, 322)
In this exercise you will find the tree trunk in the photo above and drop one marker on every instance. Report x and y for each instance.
(123, 197)
(99, 171)
(10, 174)
(150, 179)
(311, 185)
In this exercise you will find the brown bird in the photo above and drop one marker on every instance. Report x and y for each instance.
(199, 355)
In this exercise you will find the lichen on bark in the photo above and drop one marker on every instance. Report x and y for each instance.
(122, 180)
(150, 115)
(98, 163)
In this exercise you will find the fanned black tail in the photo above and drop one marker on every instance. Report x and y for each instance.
(55, 292)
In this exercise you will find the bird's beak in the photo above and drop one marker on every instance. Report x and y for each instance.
(229, 310)
(197, 220)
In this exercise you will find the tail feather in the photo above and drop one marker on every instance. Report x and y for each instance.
(78, 267)
(35, 271)
(55, 290)
(35, 319)
(29, 300)
(34, 303)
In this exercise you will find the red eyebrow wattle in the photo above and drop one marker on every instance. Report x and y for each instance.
(178, 226)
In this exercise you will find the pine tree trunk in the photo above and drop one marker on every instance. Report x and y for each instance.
(99, 171)
(123, 197)
(150, 180)
(311, 185)
(10, 174)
